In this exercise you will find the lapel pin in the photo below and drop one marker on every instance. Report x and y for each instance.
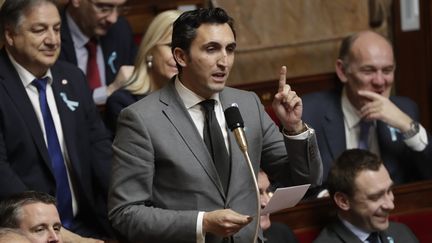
(111, 60)
(393, 133)
(72, 105)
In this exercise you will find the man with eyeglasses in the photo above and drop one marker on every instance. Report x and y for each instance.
(96, 38)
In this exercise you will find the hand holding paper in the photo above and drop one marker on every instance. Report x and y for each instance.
(286, 197)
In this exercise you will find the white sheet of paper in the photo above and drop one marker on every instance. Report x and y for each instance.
(286, 197)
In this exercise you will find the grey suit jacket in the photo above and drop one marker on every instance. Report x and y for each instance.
(163, 174)
(338, 232)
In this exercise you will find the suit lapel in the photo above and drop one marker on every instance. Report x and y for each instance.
(61, 86)
(334, 124)
(385, 238)
(344, 233)
(235, 153)
(181, 120)
(110, 59)
(67, 45)
(16, 90)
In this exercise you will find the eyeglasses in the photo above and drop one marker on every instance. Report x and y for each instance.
(106, 8)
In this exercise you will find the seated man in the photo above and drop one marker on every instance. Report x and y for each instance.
(273, 232)
(96, 38)
(34, 214)
(51, 136)
(361, 188)
(8, 235)
(364, 115)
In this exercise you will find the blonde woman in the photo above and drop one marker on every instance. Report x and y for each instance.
(154, 66)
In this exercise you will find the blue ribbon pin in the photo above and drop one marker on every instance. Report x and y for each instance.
(111, 60)
(393, 133)
(72, 105)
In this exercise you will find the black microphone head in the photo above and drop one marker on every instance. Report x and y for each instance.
(233, 118)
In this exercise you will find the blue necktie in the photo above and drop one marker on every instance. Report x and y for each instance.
(63, 193)
(363, 142)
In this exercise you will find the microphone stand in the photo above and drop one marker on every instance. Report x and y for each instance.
(241, 140)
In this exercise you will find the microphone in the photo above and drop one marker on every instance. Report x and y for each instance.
(235, 123)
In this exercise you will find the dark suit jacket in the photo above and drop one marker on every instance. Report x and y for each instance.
(323, 112)
(24, 160)
(337, 232)
(118, 46)
(163, 174)
(279, 233)
(118, 100)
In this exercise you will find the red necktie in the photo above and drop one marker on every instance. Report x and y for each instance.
(93, 76)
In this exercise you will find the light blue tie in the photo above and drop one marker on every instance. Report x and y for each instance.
(63, 193)
(363, 142)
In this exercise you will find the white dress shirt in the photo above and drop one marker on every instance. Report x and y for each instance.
(361, 234)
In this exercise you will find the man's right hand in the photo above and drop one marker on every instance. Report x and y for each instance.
(121, 79)
(224, 222)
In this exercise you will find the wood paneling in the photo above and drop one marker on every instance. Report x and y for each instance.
(302, 85)
(413, 53)
(414, 60)
(140, 13)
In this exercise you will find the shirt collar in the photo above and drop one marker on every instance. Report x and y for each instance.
(351, 114)
(78, 37)
(25, 76)
(361, 234)
(189, 98)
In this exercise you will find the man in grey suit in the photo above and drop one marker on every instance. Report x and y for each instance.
(165, 186)
(361, 189)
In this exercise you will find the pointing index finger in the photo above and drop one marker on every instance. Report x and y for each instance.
(282, 78)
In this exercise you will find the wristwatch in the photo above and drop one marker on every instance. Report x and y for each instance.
(287, 133)
(414, 129)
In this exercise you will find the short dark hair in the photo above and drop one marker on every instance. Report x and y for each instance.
(186, 25)
(12, 11)
(346, 168)
(10, 208)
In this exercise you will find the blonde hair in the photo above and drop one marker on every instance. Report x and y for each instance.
(161, 26)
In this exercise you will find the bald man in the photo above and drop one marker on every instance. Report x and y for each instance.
(364, 114)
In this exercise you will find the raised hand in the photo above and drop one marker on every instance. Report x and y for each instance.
(287, 105)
